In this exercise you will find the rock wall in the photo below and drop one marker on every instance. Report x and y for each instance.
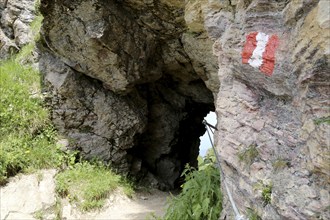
(15, 21)
(273, 131)
(130, 82)
(123, 85)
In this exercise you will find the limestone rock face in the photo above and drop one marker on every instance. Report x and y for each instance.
(274, 131)
(15, 21)
(27, 194)
(125, 85)
(130, 82)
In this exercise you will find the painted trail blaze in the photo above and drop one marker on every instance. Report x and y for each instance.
(259, 51)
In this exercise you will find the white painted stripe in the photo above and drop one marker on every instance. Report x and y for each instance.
(256, 58)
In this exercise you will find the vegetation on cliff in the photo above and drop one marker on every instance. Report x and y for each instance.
(201, 197)
(28, 138)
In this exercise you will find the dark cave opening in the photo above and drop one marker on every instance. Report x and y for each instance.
(172, 136)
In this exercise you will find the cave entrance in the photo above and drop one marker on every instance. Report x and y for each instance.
(172, 137)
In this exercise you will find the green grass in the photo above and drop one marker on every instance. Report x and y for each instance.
(27, 138)
(88, 184)
(201, 197)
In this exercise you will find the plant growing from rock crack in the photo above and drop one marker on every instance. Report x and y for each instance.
(248, 155)
(280, 164)
(325, 120)
(266, 191)
(253, 214)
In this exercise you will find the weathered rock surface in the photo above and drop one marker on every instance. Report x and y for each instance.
(15, 21)
(124, 83)
(130, 82)
(27, 194)
(284, 117)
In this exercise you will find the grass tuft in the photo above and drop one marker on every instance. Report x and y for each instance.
(280, 164)
(88, 184)
(248, 155)
(267, 194)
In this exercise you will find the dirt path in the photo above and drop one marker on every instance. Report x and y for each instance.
(142, 206)
(33, 197)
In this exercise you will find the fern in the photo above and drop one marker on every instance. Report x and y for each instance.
(201, 197)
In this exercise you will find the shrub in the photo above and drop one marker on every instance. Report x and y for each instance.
(201, 196)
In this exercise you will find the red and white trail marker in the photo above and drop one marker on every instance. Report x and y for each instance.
(259, 51)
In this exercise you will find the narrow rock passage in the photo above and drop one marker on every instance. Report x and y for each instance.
(33, 196)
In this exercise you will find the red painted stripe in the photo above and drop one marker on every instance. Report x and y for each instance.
(250, 45)
(268, 56)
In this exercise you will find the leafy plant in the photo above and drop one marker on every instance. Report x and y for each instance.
(248, 155)
(39, 215)
(201, 197)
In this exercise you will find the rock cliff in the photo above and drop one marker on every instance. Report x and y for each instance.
(130, 82)
(273, 131)
(15, 20)
(122, 85)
